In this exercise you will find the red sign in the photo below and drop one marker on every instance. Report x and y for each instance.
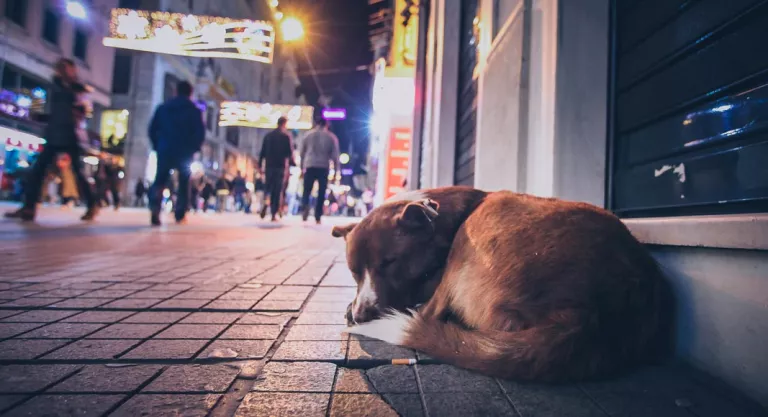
(398, 160)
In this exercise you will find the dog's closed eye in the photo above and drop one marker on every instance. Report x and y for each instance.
(387, 262)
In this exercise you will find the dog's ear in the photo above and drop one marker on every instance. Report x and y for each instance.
(342, 231)
(419, 214)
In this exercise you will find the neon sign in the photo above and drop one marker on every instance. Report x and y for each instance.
(190, 35)
(264, 115)
(334, 114)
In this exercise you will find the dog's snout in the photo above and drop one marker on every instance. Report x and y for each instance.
(365, 313)
(348, 315)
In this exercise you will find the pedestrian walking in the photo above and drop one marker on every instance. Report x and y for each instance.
(238, 190)
(195, 194)
(62, 136)
(112, 181)
(258, 189)
(274, 159)
(318, 149)
(176, 132)
(206, 193)
(139, 192)
(223, 188)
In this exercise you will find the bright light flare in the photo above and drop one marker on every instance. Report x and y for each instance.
(91, 160)
(344, 158)
(292, 29)
(196, 167)
(77, 10)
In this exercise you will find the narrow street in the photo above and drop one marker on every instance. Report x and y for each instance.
(232, 316)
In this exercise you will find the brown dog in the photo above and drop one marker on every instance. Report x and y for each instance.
(514, 286)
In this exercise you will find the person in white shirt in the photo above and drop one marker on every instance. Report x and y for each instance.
(318, 150)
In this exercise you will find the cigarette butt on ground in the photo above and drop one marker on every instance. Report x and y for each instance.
(403, 361)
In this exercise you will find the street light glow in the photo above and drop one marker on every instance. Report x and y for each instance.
(344, 158)
(76, 10)
(292, 29)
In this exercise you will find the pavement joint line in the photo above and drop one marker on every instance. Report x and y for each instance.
(587, 394)
(230, 402)
(509, 398)
(420, 387)
(135, 391)
(34, 394)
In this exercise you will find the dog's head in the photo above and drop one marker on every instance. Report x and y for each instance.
(393, 257)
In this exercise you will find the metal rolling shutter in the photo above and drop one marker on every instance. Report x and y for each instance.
(466, 117)
(689, 131)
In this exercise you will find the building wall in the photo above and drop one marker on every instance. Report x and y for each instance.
(558, 83)
(148, 78)
(25, 48)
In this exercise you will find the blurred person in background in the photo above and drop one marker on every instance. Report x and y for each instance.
(274, 160)
(139, 193)
(176, 131)
(223, 189)
(206, 192)
(238, 190)
(319, 149)
(62, 135)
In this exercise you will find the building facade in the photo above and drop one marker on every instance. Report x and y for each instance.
(34, 34)
(143, 80)
(654, 110)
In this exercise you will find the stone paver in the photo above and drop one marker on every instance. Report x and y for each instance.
(226, 317)
(103, 378)
(66, 405)
(311, 351)
(361, 405)
(92, 349)
(296, 377)
(20, 349)
(186, 405)
(194, 378)
(31, 378)
(283, 405)
(166, 349)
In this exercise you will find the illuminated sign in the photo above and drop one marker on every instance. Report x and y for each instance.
(190, 35)
(114, 127)
(334, 114)
(15, 139)
(398, 158)
(264, 115)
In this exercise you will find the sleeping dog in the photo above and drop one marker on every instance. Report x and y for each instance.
(508, 285)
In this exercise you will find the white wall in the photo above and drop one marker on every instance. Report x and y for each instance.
(501, 110)
(437, 138)
(517, 93)
(721, 294)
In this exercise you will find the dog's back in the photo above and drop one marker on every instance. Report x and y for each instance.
(541, 289)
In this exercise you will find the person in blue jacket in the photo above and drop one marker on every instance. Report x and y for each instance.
(177, 132)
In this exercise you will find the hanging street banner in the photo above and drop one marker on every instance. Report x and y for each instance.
(190, 35)
(264, 115)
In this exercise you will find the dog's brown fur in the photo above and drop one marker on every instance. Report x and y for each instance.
(515, 286)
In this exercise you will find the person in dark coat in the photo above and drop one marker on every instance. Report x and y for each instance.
(61, 135)
(239, 189)
(206, 193)
(176, 132)
(274, 159)
(139, 192)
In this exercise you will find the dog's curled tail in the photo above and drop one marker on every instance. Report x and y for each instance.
(549, 354)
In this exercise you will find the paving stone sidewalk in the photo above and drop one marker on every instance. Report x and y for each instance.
(229, 316)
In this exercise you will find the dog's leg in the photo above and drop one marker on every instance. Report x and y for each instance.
(438, 307)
